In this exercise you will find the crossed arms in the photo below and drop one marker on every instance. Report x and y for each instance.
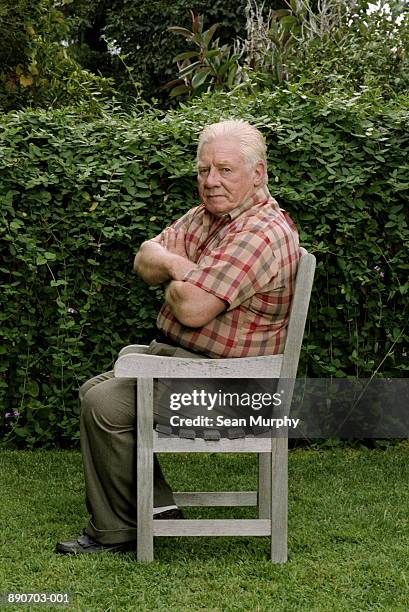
(164, 260)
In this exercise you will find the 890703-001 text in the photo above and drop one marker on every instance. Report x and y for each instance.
(34, 598)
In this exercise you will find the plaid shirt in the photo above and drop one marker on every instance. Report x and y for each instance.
(248, 258)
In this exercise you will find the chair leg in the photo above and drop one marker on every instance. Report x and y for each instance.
(264, 485)
(279, 500)
(144, 469)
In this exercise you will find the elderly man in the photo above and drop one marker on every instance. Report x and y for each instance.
(229, 266)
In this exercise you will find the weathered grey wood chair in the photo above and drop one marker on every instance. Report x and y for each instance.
(271, 497)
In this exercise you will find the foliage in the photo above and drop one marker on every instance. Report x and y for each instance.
(325, 44)
(372, 51)
(333, 43)
(212, 67)
(78, 197)
(36, 69)
(273, 40)
(94, 51)
(266, 38)
(140, 30)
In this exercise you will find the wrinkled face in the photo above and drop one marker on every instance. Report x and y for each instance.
(224, 178)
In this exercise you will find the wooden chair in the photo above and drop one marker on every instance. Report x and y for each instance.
(272, 494)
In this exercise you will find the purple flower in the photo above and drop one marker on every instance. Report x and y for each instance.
(71, 310)
(15, 413)
(379, 271)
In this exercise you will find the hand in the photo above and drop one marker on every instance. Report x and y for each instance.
(174, 242)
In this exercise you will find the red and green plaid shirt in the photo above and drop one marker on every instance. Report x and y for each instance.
(248, 258)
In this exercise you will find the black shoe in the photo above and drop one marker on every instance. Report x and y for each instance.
(86, 544)
(173, 514)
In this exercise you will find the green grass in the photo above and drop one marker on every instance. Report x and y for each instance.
(348, 537)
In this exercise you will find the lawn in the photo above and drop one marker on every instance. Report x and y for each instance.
(348, 537)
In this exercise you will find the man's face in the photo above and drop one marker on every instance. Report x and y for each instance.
(225, 180)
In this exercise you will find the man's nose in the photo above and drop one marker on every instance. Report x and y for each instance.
(213, 178)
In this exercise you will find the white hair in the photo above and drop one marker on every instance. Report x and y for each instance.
(250, 139)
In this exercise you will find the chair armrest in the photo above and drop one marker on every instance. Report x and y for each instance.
(137, 365)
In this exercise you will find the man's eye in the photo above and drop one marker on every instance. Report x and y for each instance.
(226, 170)
(203, 171)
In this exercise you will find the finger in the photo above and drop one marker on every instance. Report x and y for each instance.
(165, 238)
(181, 243)
(171, 239)
(180, 237)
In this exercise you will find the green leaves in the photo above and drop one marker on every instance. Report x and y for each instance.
(200, 78)
(36, 69)
(183, 31)
(45, 258)
(215, 66)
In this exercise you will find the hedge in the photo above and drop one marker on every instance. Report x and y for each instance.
(78, 196)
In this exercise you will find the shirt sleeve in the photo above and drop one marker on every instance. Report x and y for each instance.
(183, 222)
(237, 269)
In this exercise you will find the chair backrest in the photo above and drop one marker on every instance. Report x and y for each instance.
(298, 314)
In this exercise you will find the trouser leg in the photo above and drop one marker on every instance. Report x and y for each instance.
(108, 450)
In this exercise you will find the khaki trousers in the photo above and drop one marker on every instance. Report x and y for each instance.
(108, 451)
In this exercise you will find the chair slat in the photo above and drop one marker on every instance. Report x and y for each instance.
(212, 527)
(215, 498)
(133, 365)
(144, 464)
(174, 444)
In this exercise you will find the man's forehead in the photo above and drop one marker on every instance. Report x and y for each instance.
(222, 161)
(221, 151)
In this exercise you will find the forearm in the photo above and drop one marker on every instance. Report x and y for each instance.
(191, 305)
(154, 264)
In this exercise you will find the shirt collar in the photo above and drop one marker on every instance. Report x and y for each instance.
(261, 195)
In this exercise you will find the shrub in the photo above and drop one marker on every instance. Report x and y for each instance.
(140, 30)
(79, 196)
(209, 67)
(327, 43)
(321, 45)
(35, 68)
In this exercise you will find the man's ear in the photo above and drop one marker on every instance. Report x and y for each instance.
(259, 172)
